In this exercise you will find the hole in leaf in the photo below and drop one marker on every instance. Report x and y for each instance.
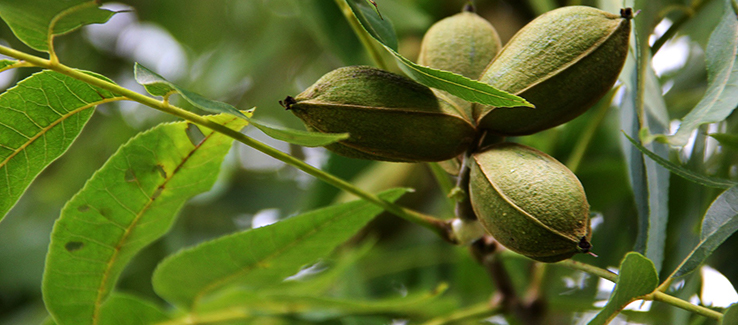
(73, 246)
(194, 134)
(130, 176)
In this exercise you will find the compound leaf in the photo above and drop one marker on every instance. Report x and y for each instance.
(39, 119)
(130, 202)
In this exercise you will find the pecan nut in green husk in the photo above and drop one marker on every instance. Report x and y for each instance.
(562, 62)
(388, 117)
(529, 202)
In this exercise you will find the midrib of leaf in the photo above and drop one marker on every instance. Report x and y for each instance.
(256, 264)
(43, 130)
(128, 230)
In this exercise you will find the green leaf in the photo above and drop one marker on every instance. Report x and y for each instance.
(457, 85)
(158, 86)
(130, 202)
(4, 64)
(124, 309)
(254, 302)
(726, 140)
(721, 97)
(637, 277)
(260, 257)
(39, 119)
(32, 21)
(719, 223)
(730, 316)
(683, 172)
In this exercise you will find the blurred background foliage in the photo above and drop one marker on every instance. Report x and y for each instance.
(253, 53)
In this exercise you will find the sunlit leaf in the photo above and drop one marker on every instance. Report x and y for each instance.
(31, 20)
(39, 119)
(128, 203)
(263, 256)
(457, 85)
(721, 97)
(637, 277)
(124, 309)
(158, 86)
(683, 172)
(719, 223)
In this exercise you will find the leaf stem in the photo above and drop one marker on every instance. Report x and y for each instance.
(362, 35)
(657, 295)
(438, 226)
(689, 12)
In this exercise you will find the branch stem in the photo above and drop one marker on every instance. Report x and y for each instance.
(438, 226)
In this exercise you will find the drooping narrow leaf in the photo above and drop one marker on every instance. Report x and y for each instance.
(721, 97)
(457, 85)
(719, 223)
(158, 86)
(637, 277)
(4, 64)
(31, 20)
(124, 309)
(260, 257)
(257, 303)
(643, 108)
(683, 172)
(128, 203)
(39, 119)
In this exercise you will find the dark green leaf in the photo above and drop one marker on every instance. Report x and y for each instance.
(730, 316)
(260, 257)
(637, 277)
(130, 202)
(39, 119)
(681, 171)
(726, 140)
(31, 20)
(158, 86)
(457, 85)
(123, 309)
(721, 97)
(719, 223)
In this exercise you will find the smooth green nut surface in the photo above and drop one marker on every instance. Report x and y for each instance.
(529, 202)
(388, 117)
(563, 62)
(464, 43)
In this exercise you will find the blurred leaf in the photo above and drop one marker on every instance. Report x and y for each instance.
(683, 172)
(719, 223)
(542, 6)
(128, 203)
(457, 85)
(31, 20)
(263, 256)
(637, 277)
(6, 63)
(721, 97)
(325, 22)
(41, 116)
(730, 316)
(158, 86)
(254, 302)
(123, 309)
(726, 140)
